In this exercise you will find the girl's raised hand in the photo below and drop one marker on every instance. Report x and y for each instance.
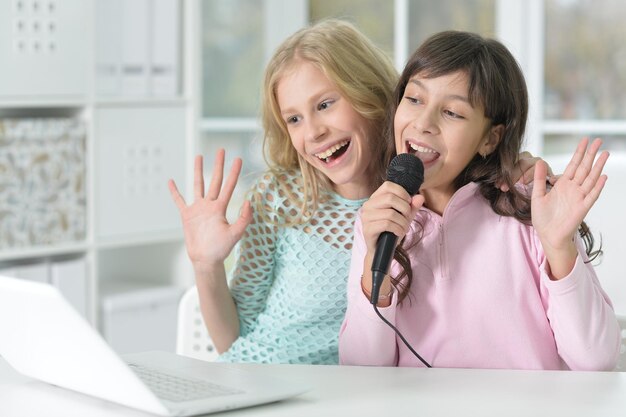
(209, 238)
(557, 214)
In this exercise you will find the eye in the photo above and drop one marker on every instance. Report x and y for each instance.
(452, 114)
(325, 104)
(292, 120)
(412, 100)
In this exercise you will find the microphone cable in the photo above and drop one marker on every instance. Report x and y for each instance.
(417, 355)
(406, 170)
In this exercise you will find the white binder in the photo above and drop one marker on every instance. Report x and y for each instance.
(165, 41)
(108, 50)
(135, 47)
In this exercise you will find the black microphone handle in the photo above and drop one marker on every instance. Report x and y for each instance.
(385, 247)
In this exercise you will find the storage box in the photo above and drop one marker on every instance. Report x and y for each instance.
(136, 317)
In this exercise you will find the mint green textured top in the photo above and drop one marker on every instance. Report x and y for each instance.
(289, 282)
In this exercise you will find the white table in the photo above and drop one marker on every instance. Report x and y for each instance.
(362, 391)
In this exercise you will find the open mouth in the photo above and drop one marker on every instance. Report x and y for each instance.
(333, 152)
(422, 152)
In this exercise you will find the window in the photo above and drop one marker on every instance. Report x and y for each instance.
(427, 17)
(584, 73)
(572, 53)
(232, 61)
(372, 17)
(238, 36)
(232, 53)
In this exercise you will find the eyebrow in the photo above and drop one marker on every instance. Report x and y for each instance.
(449, 96)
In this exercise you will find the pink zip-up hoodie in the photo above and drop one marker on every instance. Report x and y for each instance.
(481, 298)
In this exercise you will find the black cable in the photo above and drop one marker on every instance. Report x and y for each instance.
(401, 337)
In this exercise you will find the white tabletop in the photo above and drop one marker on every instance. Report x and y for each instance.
(363, 391)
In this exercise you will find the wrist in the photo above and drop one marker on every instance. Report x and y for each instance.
(560, 260)
(384, 297)
(205, 271)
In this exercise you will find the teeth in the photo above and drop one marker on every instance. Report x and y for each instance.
(420, 148)
(328, 152)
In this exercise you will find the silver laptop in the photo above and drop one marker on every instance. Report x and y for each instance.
(43, 337)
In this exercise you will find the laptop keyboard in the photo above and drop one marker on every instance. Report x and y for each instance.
(178, 389)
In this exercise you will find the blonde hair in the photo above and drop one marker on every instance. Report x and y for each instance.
(362, 72)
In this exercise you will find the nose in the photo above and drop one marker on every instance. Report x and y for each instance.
(425, 120)
(315, 128)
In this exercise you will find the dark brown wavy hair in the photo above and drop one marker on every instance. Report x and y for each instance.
(497, 84)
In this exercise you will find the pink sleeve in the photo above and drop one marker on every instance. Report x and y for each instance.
(586, 331)
(364, 339)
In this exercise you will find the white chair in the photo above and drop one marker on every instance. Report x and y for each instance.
(192, 337)
(621, 365)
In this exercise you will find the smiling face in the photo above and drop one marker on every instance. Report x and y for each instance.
(436, 121)
(325, 129)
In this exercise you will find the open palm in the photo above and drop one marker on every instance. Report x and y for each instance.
(557, 214)
(209, 238)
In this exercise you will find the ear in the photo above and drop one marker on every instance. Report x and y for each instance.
(493, 138)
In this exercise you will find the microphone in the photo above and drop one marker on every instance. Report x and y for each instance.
(406, 170)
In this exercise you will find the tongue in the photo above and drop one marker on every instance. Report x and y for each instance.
(338, 153)
(427, 156)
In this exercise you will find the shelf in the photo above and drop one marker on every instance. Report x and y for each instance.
(230, 124)
(141, 102)
(582, 127)
(43, 251)
(41, 109)
(131, 140)
(143, 239)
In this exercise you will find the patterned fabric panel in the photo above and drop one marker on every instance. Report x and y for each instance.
(42, 182)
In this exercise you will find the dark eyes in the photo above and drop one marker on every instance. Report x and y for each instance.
(293, 119)
(324, 105)
(452, 114)
(449, 113)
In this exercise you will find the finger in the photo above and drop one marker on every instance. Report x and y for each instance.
(516, 174)
(595, 172)
(585, 166)
(380, 226)
(198, 178)
(390, 218)
(529, 174)
(524, 169)
(387, 196)
(231, 181)
(397, 203)
(176, 196)
(593, 195)
(570, 170)
(389, 187)
(539, 184)
(217, 176)
(417, 201)
(244, 219)
(554, 178)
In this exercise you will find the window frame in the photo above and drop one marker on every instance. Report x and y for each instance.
(519, 25)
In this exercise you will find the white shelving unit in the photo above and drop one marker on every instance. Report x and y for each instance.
(139, 131)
